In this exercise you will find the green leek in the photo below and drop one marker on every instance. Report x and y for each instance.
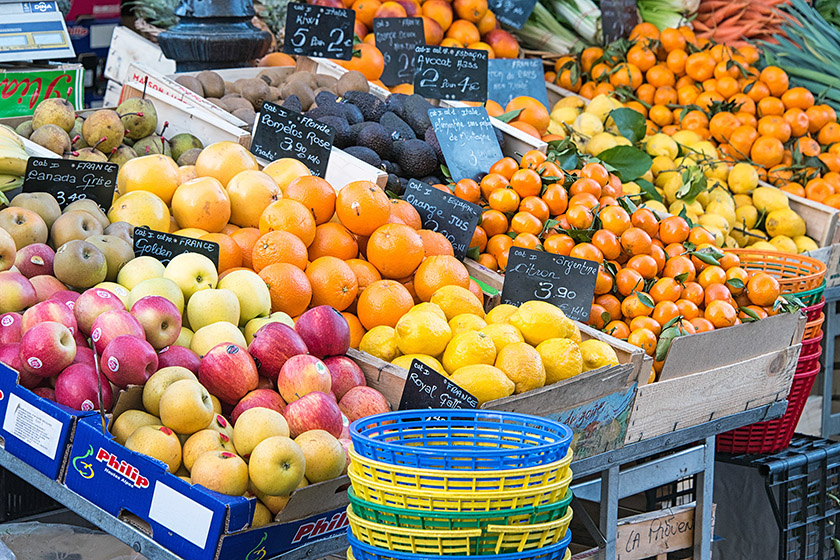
(667, 13)
(581, 15)
(542, 32)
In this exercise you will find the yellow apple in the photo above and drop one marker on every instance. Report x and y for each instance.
(253, 295)
(205, 440)
(184, 338)
(255, 425)
(185, 406)
(325, 456)
(117, 290)
(221, 471)
(277, 466)
(163, 287)
(159, 382)
(158, 442)
(127, 422)
(205, 338)
(262, 516)
(192, 272)
(256, 324)
(136, 270)
(211, 306)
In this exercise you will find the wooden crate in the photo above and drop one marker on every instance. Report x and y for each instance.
(656, 533)
(556, 93)
(820, 219)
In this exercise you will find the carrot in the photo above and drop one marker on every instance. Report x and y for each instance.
(724, 13)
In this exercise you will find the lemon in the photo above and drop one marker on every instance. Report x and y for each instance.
(704, 150)
(723, 209)
(574, 336)
(597, 354)
(622, 141)
(557, 128)
(730, 243)
(564, 114)
(718, 193)
(631, 187)
(538, 321)
(502, 334)
(468, 349)
(485, 383)
(422, 332)
(380, 342)
(768, 199)
(500, 313)
(663, 163)
(755, 236)
(430, 307)
(405, 360)
(805, 244)
(784, 222)
(661, 145)
(466, 322)
(599, 107)
(677, 206)
(587, 124)
(523, 365)
(717, 222)
(656, 207)
(718, 170)
(742, 200)
(686, 137)
(764, 246)
(561, 358)
(455, 300)
(600, 142)
(784, 244)
(671, 186)
(573, 102)
(743, 178)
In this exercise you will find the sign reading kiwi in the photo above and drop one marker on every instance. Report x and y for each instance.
(511, 77)
(444, 213)
(467, 139)
(567, 282)
(279, 132)
(164, 246)
(450, 73)
(426, 388)
(513, 13)
(319, 31)
(397, 38)
(72, 180)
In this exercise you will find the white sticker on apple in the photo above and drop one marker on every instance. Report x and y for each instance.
(7, 321)
(87, 405)
(71, 304)
(104, 294)
(113, 364)
(34, 362)
(96, 333)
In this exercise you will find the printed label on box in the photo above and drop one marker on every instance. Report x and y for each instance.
(185, 517)
(32, 426)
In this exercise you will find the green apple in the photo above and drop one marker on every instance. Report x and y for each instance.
(250, 289)
(211, 306)
(256, 324)
(163, 287)
(214, 334)
(136, 270)
(184, 338)
(192, 272)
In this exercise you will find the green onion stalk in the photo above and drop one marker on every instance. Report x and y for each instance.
(667, 13)
(542, 32)
(583, 16)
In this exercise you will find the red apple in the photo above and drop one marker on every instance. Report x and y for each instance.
(128, 360)
(93, 303)
(18, 292)
(325, 331)
(313, 411)
(35, 259)
(47, 348)
(159, 318)
(273, 344)
(178, 356)
(10, 330)
(45, 286)
(50, 310)
(112, 324)
(359, 402)
(265, 383)
(84, 355)
(345, 428)
(345, 374)
(265, 398)
(68, 298)
(81, 340)
(10, 355)
(301, 375)
(77, 387)
(228, 371)
(45, 393)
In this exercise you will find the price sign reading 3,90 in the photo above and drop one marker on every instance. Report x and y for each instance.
(319, 31)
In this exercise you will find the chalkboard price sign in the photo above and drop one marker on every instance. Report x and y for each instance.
(512, 12)
(450, 73)
(319, 31)
(618, 17)
(426, 388)
(444, 213)
(467, 140)
(567, 282)
(397, 38)
(164, 246)
(511, 77)
(279, 132)
(72, 180)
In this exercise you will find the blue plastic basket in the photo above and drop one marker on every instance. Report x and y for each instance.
(460, 439)
(362, 551)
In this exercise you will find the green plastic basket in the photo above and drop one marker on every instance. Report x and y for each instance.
(812, 297)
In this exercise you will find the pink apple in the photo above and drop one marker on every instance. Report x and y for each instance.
(45, 286)
(18, 292)
(10, 330)
(178, 356)
(47, 348)
(81, 340)
(228, 371)
(10, 355)
(67, 297)
(112, 324)
(50, 310)
(35, 259)
(128, 360)
(265, 383)
(78, 388)
(345, 374)
(264, 398)
(273, 344)
(45, 393)
(93, 303)
(359, 402)
(301, 375)
(84, 355)
(325, 331)
(159, 318)
(313, 411)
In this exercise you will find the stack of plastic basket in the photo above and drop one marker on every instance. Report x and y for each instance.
(459, 483)
(803, 277)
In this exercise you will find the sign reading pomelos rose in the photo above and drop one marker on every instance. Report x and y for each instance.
(279, 132)
(426, 388)
(72, 180)
(164, 246)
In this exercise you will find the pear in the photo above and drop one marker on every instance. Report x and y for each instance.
(24, 129)
(152, 144)
(103, 130)
(57, 111)
(76, 138)
(181, 143)
(189, 157)
(122, 155)
(52, 137)
(138, 116)
(88, 154)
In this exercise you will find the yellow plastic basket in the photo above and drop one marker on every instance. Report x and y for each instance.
(461, 480)
(493, 539)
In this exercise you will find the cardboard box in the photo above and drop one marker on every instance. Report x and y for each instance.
(24, 88)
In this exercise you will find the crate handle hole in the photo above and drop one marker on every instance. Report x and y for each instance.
(135, 522)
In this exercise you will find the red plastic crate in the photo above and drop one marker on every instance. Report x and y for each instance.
(814, 311)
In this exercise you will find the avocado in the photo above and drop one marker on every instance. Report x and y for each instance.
(500, 137)
(375, 137)
(352, 113)
(431, 140)
(327, 108)
(365, 154)
(395, 102)
(416, 113)
(354, 131)
(396, 127)
(394, 184)
(391, 168)
(371, 106)
(432, 180)
(325, 97)
(342, 130)
(417, 158)
(292, 103)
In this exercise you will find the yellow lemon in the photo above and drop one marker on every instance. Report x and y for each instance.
(486, 383)
(746, 216)
(597, 354)
(523, 365)
(502, 334)
(467, 349)
(661, 145)
(600, 142)
(405, 360)
(432, 307)
(784, 244)
(764, 246)
(455, 300)
(769, 199)
(140, 208)
(599, 107)
(743, 178)
(574, 336)
(466, 322)
(784, 222)
(539, 320)
(380, 342)
(742, 200)
(574, 102)
(721, 209)
(805, 244)
(561, 358)
(500, 313)
(422, 332)
(587, 124)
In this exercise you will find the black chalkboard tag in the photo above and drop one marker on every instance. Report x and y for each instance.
(444, 213)
(319, 31)
(567, 282)
(397, 38)
(467, 140)
(450, 73)
(511, 77)
(426, 388)
(164, 246)
(618, 17)
(72, 180)
(513, 13)
(279, 132)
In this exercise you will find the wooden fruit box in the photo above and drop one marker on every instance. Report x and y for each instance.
(820, 219)
(556, 93)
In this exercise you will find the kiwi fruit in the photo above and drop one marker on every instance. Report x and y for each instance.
(324, 81)
(352, 81)
(230, 87)
(212, 84)
(301, 90)
(215, 101)
(191, 83)
(234, 103)
(245, 115)
(307, 77)
(254, 90)
(273, 94)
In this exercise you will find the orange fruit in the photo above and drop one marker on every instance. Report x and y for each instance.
(533, 113)
(291, 216)
(333, 283)
(396, 250)
(246, 238)
(433, 33)
(277, 59)
(464, 32)
(435, 243)
(223, 160)
(383, 303)
(285, 170)
(367, 59)
(314, 193)
(362, 207)
(440, 11)
(406, 213)
(334, 240)
(366, 10)
(230, 255)
(720, 314)
(279, 247)
(250, 192)
(202, 203)
(357, 331)
(366, 274)
(288, 287)
(438, 271)
(470, 10)
(156, 174)
(763, 289)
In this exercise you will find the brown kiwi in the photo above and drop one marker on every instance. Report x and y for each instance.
(352, 81)
(215, 101)
(273, 94)
(307, 77)
(230, 87)
(302, 90)
(191, 83)
(246, 115)
(325, 81)
(212, 83)
(234, 103)
(254, 90)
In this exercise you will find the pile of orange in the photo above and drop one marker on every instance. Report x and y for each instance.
(532, 117)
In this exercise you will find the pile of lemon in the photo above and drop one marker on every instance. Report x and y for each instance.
(509, 350)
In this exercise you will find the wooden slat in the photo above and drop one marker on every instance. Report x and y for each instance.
(657, 532)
